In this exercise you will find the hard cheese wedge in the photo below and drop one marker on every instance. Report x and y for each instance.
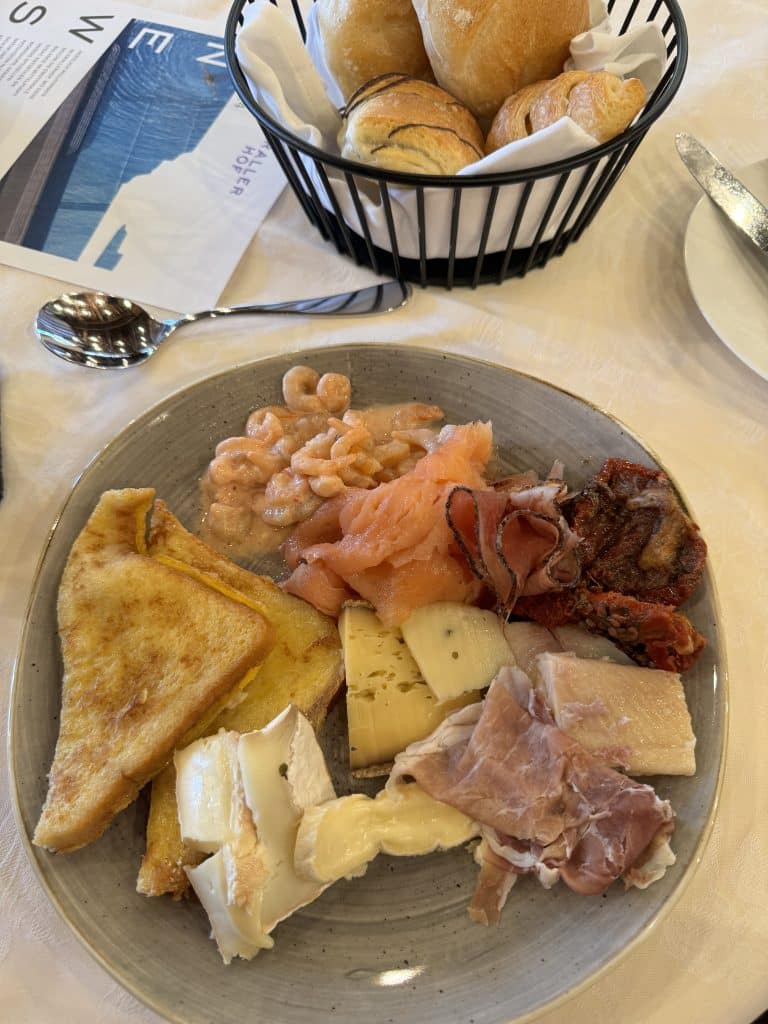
(636, 718)
(340, 838)
(388, 703)
(457, 647)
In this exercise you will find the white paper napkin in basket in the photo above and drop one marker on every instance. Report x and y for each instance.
(300, 94)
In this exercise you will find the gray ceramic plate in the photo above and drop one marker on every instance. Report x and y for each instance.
(396, 945)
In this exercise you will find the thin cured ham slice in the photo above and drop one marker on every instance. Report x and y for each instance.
(546, 805)
(492, 887)
(514, 537)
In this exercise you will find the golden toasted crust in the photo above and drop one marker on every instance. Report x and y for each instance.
(402, 124)
(484, 50)
(513, 120)
(147, 652)
(604, 105)
(601, 103)
(303, 668)
(365, 38)
(551, 103)
(165, 856)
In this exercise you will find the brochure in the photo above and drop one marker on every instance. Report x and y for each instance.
(127, 162)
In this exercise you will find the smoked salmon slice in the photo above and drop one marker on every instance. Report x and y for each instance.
(392, 545)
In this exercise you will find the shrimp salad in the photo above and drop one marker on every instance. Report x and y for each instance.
(294, 456)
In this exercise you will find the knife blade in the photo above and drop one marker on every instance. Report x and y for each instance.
(743, 209)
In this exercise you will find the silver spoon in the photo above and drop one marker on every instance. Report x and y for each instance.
(94, 329)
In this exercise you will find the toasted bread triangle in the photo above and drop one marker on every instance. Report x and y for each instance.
(147, 652)
(304, 668)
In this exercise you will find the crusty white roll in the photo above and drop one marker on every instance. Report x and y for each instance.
(482, 51)
(600, 103)
(365, 38)
(402, 124)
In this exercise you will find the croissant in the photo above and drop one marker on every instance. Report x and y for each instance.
(600, 103)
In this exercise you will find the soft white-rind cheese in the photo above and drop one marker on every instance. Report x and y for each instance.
(237, 930)
(283, 772)
(208, 792)
(241, 798)
(340, 838)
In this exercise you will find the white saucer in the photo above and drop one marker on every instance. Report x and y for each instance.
(729, 276)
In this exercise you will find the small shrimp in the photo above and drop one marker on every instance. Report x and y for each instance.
(319, 446)
(250, 450)
(289, 500)
(327, 486)
(258, 417)
(391, 452)
(349, 438)
(353, 418)
(237, 445)
(269, 431)
(308, 465)
(335, 392)
(300, 390)
(230, 469)
(352, 477)
(315, 459)
(248, 447)
(309, 426)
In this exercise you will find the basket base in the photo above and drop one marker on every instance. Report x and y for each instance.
(490, 268)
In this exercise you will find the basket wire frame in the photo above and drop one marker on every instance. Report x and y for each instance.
(592, 175)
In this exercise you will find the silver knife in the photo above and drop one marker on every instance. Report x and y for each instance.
(734, 199)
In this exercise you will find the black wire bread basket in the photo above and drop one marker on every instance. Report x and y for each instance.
(490, 225)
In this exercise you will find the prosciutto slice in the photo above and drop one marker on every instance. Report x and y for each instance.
(546, 805)
(514, 536)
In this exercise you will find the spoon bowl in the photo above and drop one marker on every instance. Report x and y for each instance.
(107, 332)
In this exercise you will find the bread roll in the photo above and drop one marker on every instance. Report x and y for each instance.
(600, 103)
(402, 124)
(482, 51)
(513, 120)
(365, 38)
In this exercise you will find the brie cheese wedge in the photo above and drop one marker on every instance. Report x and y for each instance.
(209, 795)
(284, 773)
(241, 798)
(237, 930)
(340, 838)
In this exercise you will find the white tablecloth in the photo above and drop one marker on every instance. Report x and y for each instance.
(613, 321)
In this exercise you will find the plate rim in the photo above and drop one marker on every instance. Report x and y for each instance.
(734, 349)
(41, 874)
